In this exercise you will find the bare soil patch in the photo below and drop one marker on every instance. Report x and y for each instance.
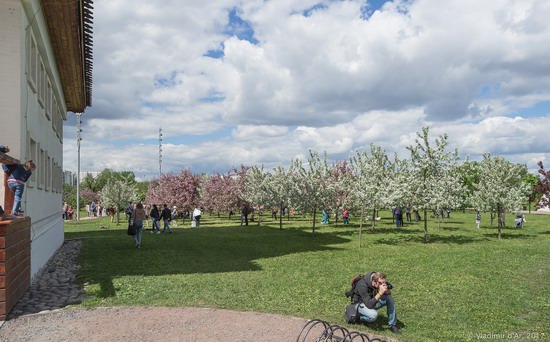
(151, 324)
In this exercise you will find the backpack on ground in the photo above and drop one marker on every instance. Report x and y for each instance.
(350, 312)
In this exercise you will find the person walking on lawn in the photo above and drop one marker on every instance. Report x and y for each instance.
(138, 216)
(166, 216)
(155, 216)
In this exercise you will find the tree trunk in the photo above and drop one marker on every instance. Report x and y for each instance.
(281, 217)
(361, 225)
(314, 214)
(373, 220)
(117, 216)
(425, 225)
(259, 216)
(500, 221)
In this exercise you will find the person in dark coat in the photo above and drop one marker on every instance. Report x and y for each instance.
(166, 216)
(155, 216)
(372, 292)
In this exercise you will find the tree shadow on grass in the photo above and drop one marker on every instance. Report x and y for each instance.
(507, 236)
(190, 251)
(432, 239)
(353, 230)
(449, 228)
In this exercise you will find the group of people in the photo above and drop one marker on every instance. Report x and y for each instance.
(68, 211)
(94, 209)
(519, 220)
(137, 214)
(325, 217)
(398, 216)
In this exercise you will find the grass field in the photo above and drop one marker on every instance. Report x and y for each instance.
(465, 284)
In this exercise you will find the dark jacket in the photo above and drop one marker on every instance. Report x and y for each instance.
(154, 213)
(17, 173)
(166, 214)
(364, 292)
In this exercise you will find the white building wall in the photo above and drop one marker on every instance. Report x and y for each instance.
(11, 132)
(33, 108)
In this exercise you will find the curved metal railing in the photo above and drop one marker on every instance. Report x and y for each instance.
(320, 331)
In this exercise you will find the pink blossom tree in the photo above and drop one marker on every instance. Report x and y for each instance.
(181, 190)
(544, 186)
(89, 195)
(225, 192)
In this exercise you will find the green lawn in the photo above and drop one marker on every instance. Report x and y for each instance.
(465, 284)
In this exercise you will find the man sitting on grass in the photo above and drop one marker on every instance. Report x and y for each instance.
(372, 292)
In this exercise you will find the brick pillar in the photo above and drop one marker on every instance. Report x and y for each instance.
(8, 195)
(15, 262)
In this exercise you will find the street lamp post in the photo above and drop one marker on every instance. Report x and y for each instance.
(78, 139)
(160, 152)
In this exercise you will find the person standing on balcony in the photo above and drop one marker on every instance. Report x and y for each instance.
(18, 176)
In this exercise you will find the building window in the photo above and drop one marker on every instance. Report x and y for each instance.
(48, 100)
(32, 57)
(48, 172)
(41, 84)
(41, 169)
(57, 121)
(32, 154)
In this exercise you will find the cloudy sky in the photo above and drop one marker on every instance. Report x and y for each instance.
(260, 82)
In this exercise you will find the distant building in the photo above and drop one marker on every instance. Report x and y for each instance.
(45, 71)
(71, 178)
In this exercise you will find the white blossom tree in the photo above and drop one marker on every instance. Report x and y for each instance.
(258, 188)
(117, 193)
(396, 186)
(315, 187)
(367, 182)
(433, 178)
(284, 188)
(500, 187)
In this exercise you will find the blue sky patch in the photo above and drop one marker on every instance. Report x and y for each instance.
(240, 28)
(309, 11)
(212, 97)
(165, 82)
(538, 110)
(370, 7)
(215, 53)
